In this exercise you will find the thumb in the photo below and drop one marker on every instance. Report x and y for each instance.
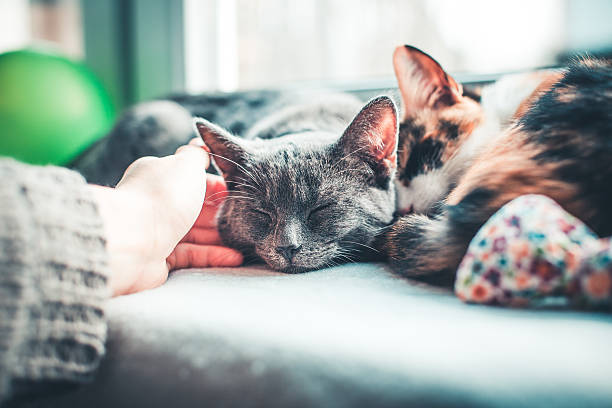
(196, 154)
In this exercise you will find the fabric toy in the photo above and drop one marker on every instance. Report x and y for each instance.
(533, 253)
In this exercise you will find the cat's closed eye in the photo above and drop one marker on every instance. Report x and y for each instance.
(317, 210)
(261, 214)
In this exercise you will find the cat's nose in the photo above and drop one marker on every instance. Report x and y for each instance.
(405, 211)
(288, 251)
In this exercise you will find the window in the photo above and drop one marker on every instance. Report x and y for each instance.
(147, 48)
(56, 23)
(262, 43)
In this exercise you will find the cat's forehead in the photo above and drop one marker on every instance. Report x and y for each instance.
(304, 141)
(429, 138)
(295, 155)
(443, 124)
(296, 176)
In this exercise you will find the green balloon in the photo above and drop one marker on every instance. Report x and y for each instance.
(51, 108)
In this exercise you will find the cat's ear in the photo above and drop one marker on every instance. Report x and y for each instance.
(227, 151)
(422, 81)
(372, 137)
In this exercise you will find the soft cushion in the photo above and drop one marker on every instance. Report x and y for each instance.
(354, 335)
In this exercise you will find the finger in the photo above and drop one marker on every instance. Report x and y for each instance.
(216, 191)
(196, 152)
(196, 141)
(203, 145)
(203, 236)
(187, 255)
(215, 188)
(207, 217)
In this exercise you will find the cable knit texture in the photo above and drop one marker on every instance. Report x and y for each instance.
(53, 276)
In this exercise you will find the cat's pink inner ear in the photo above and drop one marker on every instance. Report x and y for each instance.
(386, 132)
(224, 148)
(373, 133)
(422, 81)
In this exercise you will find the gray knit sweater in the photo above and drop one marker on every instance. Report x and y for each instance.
(53, 276)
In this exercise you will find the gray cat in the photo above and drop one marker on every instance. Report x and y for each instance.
(308, 187)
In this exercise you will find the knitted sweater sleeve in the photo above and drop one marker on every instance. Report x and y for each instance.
(53, 276)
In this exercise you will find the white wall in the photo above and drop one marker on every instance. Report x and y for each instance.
(14, 24)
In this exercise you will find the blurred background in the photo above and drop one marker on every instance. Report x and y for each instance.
(92, 58)
(145, 48)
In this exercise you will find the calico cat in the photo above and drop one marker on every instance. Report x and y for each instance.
(308, 189)
(458, 165)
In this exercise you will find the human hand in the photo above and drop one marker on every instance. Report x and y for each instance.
(201, 247)
(152, 208)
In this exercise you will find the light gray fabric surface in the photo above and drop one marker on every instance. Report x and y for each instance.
(354, 335)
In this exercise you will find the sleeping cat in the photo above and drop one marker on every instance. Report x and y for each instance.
(311, 185)
(458, 164)
(310, 178)
(444, 136)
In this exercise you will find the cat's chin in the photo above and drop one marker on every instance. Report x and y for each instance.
(285, 267)
(293, 269)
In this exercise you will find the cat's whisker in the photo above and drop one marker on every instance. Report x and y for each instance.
(376, 231)
(235, 183)
(234, 198)
(249, 259)
(251, 190)
(363, 245)
(237, 193)
(330, 263)
(346, 258)
(256, 186)
(241, 179)
(217, 193)
(229, 195)
(244, 170)
(226, 199)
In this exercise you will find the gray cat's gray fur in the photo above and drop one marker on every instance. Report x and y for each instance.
(305, 190)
